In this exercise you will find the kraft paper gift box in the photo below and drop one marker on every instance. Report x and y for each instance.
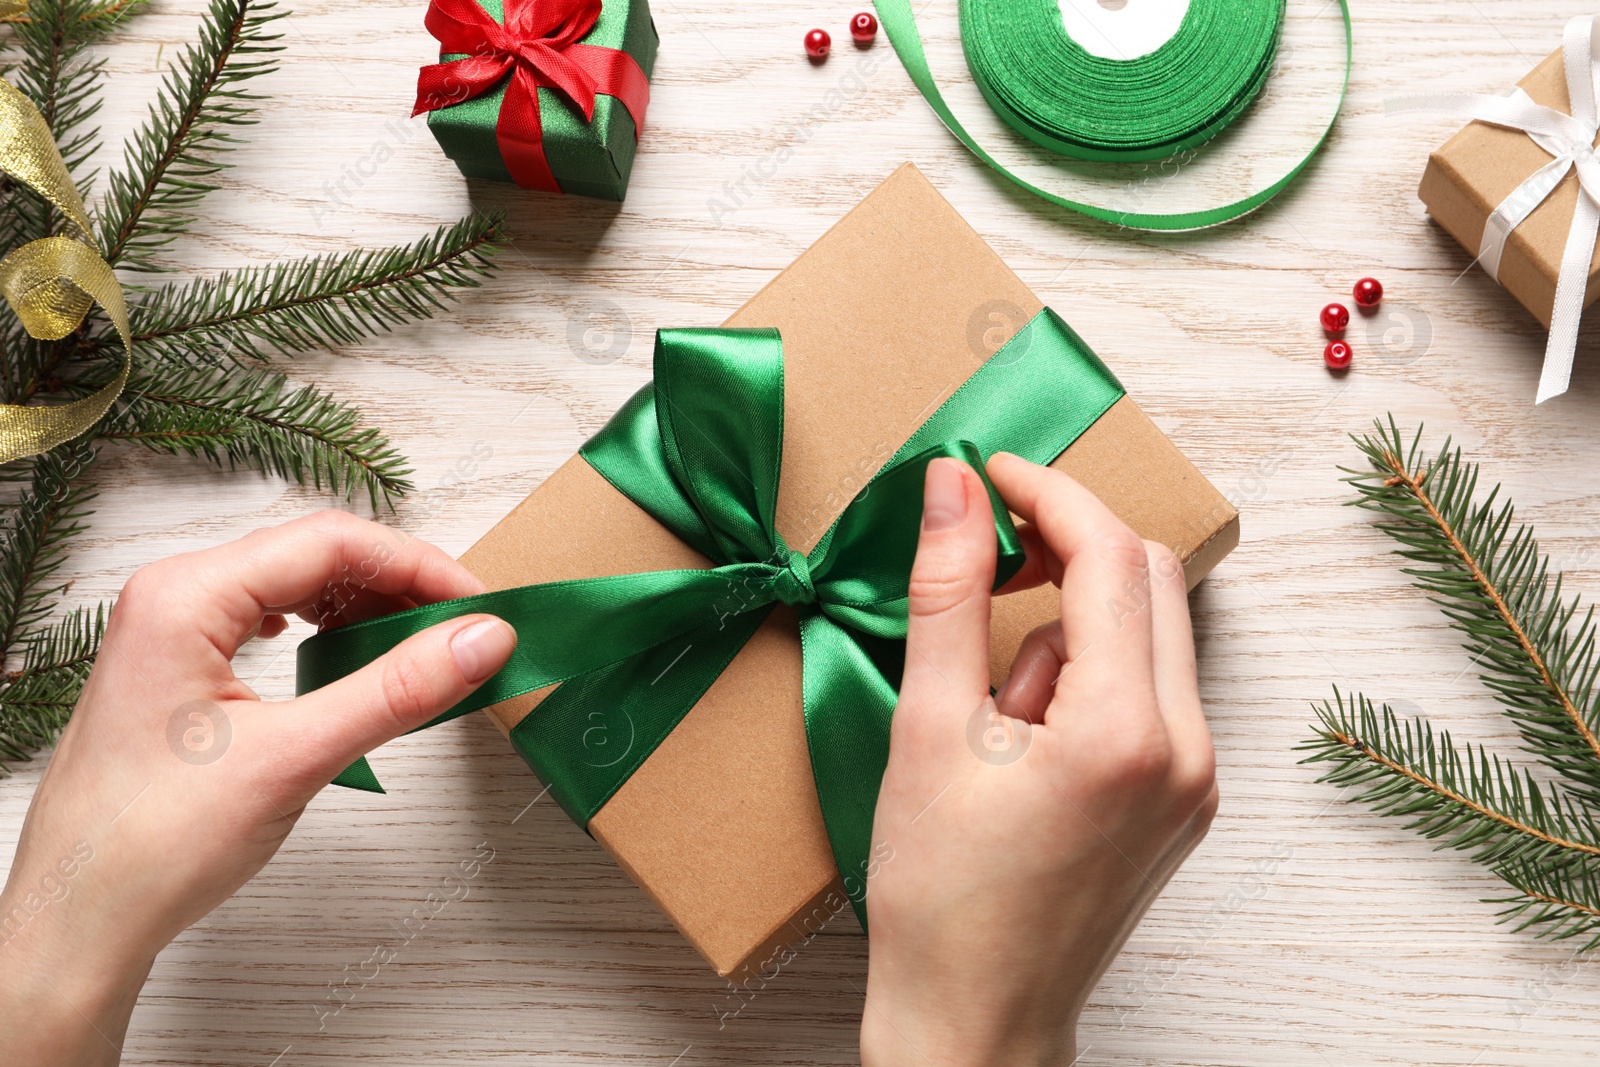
(1468, 177)
(881, 319)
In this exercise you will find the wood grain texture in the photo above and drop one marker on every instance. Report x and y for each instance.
(1303, 931)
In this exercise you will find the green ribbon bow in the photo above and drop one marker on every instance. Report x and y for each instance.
(700, 449)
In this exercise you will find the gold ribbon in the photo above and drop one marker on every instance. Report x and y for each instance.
(51, 283)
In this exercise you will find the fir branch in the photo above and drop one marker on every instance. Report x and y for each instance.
(66, 647)
(57, 72)
(1542, 843)
(257, 419)
(1537, 653)
(25, 356)
(36, 699)
(1555, 904)
(1470, 800)
(33, 537)
(171, 158)
(316, 302)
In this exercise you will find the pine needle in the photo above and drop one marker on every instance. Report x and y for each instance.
(258, 419)
(33, 536)
(59, 73)
(36, 700)
(1534, 650)
(172, 158)
(314, 303)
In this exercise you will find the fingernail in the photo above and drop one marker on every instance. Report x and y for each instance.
(944, 499)
(483, 648)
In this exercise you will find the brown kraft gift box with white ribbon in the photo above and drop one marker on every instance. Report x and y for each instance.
(1469, 175)
(881, 319)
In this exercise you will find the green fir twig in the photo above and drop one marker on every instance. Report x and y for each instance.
(314, 303)
(256, 418)
(37, 698)
(172, 159)
(1534, 649)
(33, 537)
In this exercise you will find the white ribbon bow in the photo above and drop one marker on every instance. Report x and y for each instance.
(1570, 139)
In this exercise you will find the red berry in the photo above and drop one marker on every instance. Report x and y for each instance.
(1336, 355)
(1335, 317)
(817, 44)
(864, 27)
(1368, 292)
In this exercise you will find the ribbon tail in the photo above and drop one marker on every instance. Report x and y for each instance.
(1571, 285)
(617, 74)
(848, 708)
(520, 134)
(588, 737)
(359, 776)
(441, 85)
(1577, 58)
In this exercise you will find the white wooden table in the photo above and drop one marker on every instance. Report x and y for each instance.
(1303, 931)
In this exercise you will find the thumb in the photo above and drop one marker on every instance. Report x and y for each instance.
(947, 634)
(425, 675)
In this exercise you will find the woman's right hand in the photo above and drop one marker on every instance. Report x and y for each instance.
(1005, 884)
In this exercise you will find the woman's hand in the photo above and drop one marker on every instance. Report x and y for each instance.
(1009, 876)
(174, 782)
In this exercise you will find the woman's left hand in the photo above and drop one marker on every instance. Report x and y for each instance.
(174, 783)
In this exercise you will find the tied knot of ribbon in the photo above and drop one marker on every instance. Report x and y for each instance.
(538, 45)
(791, 583)
(700, 450)
(1569, 139)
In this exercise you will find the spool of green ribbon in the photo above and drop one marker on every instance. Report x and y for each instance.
(1055, 92)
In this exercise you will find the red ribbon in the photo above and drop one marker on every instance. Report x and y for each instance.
(539, 46)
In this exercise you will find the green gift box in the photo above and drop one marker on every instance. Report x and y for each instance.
(549, 94)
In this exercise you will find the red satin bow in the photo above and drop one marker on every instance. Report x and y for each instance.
(539, 45)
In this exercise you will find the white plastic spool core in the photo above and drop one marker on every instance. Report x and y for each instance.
(1122, 29)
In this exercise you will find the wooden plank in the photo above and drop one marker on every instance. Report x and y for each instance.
(1303, 931)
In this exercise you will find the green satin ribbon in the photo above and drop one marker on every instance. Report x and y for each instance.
(1048, 88)
(700, 449)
